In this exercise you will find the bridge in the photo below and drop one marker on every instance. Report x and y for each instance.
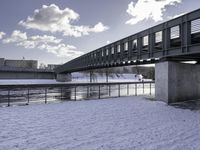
(166, 44)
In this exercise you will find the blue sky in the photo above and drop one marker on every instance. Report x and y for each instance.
(55, 31)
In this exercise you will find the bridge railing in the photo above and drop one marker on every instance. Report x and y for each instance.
(46, 93)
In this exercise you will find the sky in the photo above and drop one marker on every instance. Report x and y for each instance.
(56, 31)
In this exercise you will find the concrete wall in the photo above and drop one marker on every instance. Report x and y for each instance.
(26, 75)
(161, 81)
(177, 82)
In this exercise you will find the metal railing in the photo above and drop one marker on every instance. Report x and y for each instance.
(44, 93)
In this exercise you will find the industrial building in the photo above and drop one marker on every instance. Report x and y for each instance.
(28, 64)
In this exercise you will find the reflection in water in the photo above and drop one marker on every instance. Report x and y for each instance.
(37, 95)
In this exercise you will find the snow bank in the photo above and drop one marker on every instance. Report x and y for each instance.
(78, 78)
(83, 77)
(130, 123)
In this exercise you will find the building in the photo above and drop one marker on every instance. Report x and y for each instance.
(28, 64)
(2, 62)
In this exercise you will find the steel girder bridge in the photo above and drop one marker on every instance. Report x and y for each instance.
(177, 39)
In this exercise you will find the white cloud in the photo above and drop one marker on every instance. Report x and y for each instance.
(61, 50)
(53, 19)
(148, 9)
(49, 43)
(2, 34)
(16, 36)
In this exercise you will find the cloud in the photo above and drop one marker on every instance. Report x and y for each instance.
(61, 50)
(16, 36)
(2, 34)
(50, 44)
(53, 19)
(148, 9)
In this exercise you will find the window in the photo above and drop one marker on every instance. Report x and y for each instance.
(107, 51)
(118, 48)
(158, 37)
(134, 46)
(195, 30)
(174, 32)
(112, 50)
(145, 41)
(195, 26)
(102, 53)
(126, 46)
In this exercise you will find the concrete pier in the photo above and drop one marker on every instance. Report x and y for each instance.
(176, 82)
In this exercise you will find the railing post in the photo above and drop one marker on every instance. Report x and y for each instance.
(61, 91)
(150, 88)
(91, 76)
(128, 89)
(8, 97)
(119, 90)
(87, 92)
(45, 95)
(99, 91)
(27, 97)
(143, 86)
(75, 93)
(109, 90)
(135, 89)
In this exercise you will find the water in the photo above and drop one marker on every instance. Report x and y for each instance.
(23, 96)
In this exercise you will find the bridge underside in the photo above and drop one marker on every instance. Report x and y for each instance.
(143, 62)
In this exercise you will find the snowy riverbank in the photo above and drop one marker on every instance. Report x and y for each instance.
(129, 123)
(78, 78)
(125, 77)
(27, 81)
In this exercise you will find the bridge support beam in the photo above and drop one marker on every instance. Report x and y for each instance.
(64, 77)
(176, 82)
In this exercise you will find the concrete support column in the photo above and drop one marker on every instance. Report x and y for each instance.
(64, 77)
(176, 82)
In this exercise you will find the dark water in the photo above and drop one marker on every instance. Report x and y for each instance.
(37, 95)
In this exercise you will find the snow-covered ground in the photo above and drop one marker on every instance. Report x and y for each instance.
(28, 81)
(126, 123)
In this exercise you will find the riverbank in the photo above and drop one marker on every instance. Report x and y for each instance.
(120, 123)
